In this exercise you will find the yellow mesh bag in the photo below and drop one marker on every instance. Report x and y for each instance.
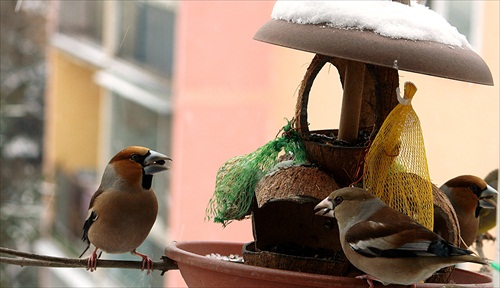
(396, 168)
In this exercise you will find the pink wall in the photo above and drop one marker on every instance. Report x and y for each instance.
(221, 87)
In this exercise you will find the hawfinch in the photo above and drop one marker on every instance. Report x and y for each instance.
(124, 208)
(385, 243)
(469, 194)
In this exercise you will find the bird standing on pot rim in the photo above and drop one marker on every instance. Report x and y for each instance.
(123, 209)
(386, 244)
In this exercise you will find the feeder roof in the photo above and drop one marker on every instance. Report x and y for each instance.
(403, 40)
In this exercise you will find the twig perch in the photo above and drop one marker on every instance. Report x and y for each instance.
(30, 259)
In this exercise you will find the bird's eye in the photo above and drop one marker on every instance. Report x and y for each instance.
(135, 158)
(475, 189)
(338, 200)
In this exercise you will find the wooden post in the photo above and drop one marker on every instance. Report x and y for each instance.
(351, 101)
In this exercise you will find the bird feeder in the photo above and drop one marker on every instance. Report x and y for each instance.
(368, 65)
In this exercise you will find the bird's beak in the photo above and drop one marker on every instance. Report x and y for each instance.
(486, 199)
(325, 208)
(155, 162)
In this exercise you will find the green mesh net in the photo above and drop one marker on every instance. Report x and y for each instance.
(236, 179)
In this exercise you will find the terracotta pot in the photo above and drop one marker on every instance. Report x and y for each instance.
(201, 271)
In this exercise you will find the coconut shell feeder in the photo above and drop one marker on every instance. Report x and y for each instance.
(368, 65)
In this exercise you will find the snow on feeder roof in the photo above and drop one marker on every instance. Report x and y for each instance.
(385, 33)
(386, 18)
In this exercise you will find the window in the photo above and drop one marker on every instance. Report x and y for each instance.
(139, 32)
(464, 15)
(82, 19)
(145, 34)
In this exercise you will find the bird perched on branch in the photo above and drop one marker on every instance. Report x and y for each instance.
(124, 208)
(385, 243)
(469, 195)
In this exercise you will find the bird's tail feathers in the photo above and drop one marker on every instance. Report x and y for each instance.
(87, 248)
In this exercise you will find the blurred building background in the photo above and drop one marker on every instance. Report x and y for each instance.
(184, 78)
(22, 85)
(110, 86)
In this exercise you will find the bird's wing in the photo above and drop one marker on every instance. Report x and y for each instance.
(91, 217)
(390, 234)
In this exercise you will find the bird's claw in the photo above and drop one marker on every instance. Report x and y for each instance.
(92, 262)
(368, 279)
(147, 263)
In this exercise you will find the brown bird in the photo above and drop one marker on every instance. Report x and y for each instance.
(469, 195)
(385, 243)
(123, 209)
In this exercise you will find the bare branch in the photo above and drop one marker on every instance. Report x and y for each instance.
(23, 262)
(30, 259)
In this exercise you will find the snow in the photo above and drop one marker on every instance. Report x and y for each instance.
(21, 147)
(390, 19)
